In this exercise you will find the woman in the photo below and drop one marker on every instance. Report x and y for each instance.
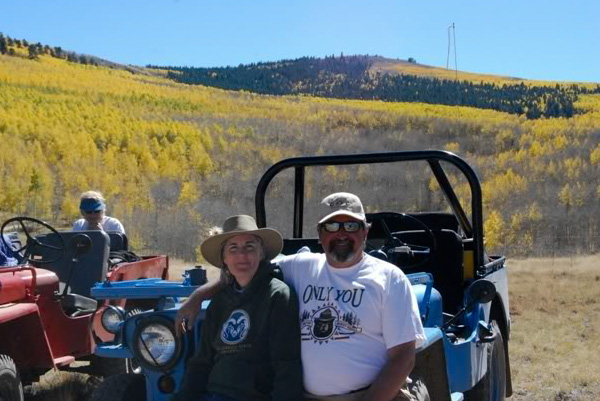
(250, 340)
(92, 207)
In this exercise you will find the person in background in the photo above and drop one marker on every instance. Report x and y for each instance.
(359, 316)
(93, 206)
(7, 256)
(250, 340)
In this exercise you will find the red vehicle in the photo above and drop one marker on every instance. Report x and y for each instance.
(46, 310)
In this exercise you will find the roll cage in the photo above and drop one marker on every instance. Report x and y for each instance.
(472, 229)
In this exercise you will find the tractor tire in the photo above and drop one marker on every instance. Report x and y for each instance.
(121, 387)
(492, 386)
(11, 388)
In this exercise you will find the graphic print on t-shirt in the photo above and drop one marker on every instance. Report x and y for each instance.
(333, 319)
(236, 327)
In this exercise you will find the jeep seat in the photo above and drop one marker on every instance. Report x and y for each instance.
(118, 241)
(446, 263)
(90, 268)
(293, 245)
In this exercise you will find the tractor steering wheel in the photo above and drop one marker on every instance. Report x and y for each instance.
(28, 225)
(402, 254)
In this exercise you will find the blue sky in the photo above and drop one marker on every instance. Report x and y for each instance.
(534, 39)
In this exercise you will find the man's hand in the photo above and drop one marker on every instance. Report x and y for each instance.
(186, 316)
(95, 226)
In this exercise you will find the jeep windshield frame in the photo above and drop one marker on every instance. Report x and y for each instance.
(472, 229)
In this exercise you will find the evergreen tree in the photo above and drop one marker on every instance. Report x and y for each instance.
(3, 45)
(33, 52)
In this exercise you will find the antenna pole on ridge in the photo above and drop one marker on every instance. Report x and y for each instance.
(448, 58)
(455, 61)
(453, 39)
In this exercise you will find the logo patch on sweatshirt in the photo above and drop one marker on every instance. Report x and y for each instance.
(236, 327)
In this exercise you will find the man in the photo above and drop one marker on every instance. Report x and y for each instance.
(7, 256)
(359, 318)
(93, 206)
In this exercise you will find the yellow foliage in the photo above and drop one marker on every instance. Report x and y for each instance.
(337, 175)
(452, 147)
(573, 167)
(502, 186)
(572, 195)
(595, 156)
(189, 194)
(534, 213)
(66, 128)
(494, 230)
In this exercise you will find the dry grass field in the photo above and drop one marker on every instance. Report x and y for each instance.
(555, 343)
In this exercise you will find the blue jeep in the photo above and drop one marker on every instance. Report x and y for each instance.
(462, 291)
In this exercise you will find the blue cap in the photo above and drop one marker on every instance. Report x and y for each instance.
(91, 205)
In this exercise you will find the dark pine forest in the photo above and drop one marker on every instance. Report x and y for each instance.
(349, 77)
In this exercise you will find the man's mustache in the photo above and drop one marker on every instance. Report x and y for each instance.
(345, 242)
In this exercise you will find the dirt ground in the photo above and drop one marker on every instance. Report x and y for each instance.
(554, 345)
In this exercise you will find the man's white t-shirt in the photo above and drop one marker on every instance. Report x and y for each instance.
(349, 317)
(108, 224)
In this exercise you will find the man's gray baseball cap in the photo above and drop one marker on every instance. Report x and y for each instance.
(341, 203)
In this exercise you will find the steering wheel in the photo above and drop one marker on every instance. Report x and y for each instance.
(28, 225)
(403, 254)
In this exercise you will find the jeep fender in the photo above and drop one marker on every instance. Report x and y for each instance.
(23, 337)
(498, 314)
(430, 365)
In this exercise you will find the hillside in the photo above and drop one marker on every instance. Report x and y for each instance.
(396, 66)
(174, 159)
(376, 78)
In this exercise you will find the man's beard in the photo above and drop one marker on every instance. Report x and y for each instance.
(342, 251)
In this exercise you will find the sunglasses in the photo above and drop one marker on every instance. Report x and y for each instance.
(92, 211)
(349, 226)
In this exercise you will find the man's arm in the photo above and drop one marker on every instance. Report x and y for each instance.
(190, 308)
(400, 362)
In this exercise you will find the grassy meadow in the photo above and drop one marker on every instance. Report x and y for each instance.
(555, 340)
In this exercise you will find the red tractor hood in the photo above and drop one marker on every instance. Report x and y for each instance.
(22, 283)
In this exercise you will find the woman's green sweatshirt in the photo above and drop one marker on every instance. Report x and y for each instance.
(250, 344)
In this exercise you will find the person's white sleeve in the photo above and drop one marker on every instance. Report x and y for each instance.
(286, 264)
(401, 320)
(120, 227)
(78, 225)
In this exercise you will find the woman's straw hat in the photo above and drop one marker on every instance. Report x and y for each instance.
(241, 224)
